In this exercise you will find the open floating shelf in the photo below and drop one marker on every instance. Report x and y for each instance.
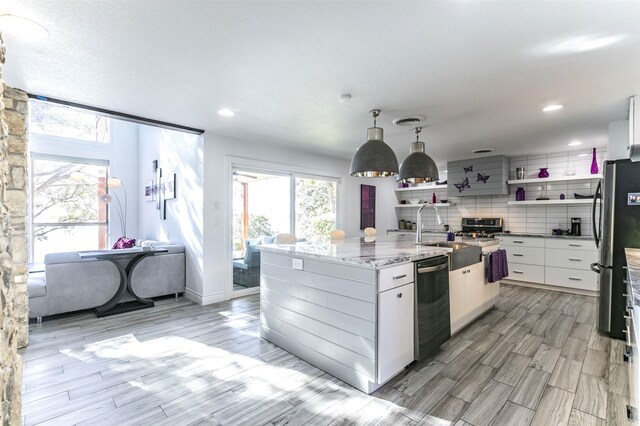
(551, 179)
(422, 187)
(540, 202)
(421, 204)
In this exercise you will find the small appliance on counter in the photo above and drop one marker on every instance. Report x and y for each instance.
(575, 226)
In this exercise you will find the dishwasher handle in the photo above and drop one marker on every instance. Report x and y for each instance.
(432, 268)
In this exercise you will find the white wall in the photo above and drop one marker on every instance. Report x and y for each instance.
(521, 218)
(220, 153)
(180, 153)
(122, 154)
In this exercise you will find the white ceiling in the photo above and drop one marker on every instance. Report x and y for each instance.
(479, 71)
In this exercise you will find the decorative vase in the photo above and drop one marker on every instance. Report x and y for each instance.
(520, 194)
(594, 163)
(544, 173)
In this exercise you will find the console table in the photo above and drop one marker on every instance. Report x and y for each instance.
(133, 257)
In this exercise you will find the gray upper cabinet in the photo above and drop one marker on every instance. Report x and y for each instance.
(478, 176)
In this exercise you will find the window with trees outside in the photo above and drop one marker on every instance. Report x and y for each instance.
(65, 210)
(54, 119)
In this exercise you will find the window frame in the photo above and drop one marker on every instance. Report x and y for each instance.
(31, 225)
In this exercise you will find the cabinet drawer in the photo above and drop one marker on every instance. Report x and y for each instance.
(395, 276)
(526, 255)
(564, 243)
(573, 259)
(530, 273)
(522, 241)
(572, 278)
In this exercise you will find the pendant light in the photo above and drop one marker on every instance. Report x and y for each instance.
(418, 167)
(374, 158)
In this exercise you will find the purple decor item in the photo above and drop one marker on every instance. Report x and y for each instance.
(124, 243)
(520, 194)
(562, 196)
(594, 163)
(544, 173)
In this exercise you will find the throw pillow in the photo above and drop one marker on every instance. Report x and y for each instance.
(124, 243)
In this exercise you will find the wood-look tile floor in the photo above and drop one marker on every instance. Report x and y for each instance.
(536, 358)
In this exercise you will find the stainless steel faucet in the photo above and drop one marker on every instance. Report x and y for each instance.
(419, 220)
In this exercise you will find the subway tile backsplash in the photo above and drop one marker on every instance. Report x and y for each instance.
(534, 219)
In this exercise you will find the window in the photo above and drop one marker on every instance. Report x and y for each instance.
(65, 209)
(316, 201)
(49, 118)
(266, 204)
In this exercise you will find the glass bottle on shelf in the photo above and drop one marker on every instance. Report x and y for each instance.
(520, 194)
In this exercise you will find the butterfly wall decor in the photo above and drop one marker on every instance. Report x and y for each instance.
(483, 178)
(461, 186)
(468, 169)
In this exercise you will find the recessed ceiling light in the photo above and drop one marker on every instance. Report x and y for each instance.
(226, 112)
(482, 150)
(554, 107)
(582, 155)
(575, 143)
(22, 27)
(343, 99)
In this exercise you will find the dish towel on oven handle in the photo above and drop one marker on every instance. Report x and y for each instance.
(498, 268)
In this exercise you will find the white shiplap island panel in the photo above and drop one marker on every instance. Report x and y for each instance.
(325, 311)
(321, 316)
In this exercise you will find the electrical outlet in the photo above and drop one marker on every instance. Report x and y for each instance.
(297, 264)
(216, 220)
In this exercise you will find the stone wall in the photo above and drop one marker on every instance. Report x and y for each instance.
(13, 261)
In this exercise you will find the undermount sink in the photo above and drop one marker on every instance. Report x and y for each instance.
(462, 255)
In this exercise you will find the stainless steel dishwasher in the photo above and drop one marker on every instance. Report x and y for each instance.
(432, 319)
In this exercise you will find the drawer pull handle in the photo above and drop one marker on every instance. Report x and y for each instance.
(397, 277)
(517, 272)
(518, 254)
(399, 295)
(575, 279)
(518, 242)
(575, 245)
(575, 259)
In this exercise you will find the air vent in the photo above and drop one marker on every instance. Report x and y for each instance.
(482, 150)
(408, 121)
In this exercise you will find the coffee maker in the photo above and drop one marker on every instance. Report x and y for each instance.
(575, 226)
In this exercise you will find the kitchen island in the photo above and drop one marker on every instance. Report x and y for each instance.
(346, 306)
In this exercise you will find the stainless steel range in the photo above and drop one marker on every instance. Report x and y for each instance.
(475, 227)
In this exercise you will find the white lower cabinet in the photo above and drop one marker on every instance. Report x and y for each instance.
(468, 295)
(395, 330)
(560, 262)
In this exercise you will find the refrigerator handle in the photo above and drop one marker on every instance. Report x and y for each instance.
(596, 231)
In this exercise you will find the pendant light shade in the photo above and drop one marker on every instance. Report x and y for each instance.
(374, 158)
(418, 167)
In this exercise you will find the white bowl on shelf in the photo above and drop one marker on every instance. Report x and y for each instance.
(413, 201)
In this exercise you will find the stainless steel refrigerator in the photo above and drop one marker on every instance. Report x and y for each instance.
(616, 227)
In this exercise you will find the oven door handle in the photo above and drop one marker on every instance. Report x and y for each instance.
(432, 268)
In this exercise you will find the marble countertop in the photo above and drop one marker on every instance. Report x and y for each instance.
(571, 237)
(633, 265)
(374, 252)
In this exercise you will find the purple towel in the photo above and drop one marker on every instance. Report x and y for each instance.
(498, 268)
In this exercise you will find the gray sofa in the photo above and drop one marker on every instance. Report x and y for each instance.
(69, 283)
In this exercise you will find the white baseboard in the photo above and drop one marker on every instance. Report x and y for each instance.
(201, 299)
